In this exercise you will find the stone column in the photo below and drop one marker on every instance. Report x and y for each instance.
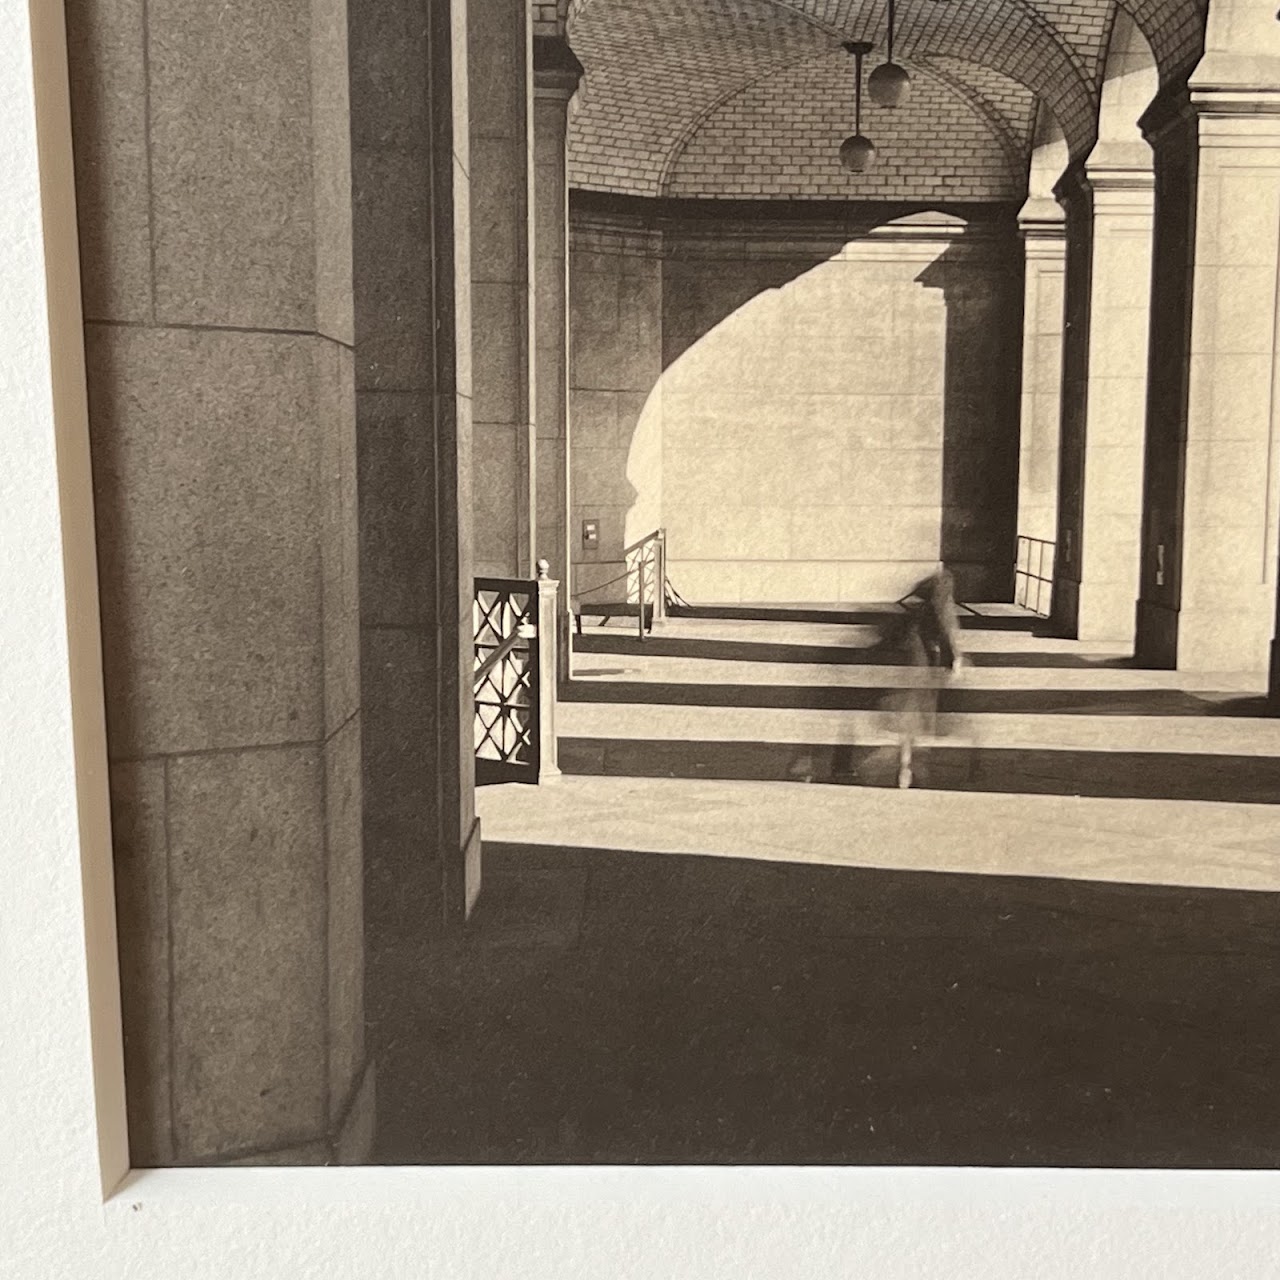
(500, 70)
(413, 259)
(1208, 595)
(213, 162)
(556, 76)
(1045, 248)
(1103, 462)
(1074, 195)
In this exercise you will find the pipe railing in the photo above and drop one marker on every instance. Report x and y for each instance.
(1033, 575)
(645, 575)
(647, 558)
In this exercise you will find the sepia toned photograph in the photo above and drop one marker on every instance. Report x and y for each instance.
(688, 582)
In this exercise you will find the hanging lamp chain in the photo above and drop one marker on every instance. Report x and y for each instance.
(891, 16)
(857, 93)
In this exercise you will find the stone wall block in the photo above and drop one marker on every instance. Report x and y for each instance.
(206, 462)
(248, 866)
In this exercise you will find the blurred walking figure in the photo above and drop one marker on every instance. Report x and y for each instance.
(928, 641)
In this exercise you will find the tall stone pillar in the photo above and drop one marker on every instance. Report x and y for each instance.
(1074, 195)
(1208, 594)
(1044, 244)
(556, 76)
(504, 444)
(1103, 448)
(410, 167)
(213, 163)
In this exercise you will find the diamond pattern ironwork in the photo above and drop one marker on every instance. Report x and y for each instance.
(506, 694)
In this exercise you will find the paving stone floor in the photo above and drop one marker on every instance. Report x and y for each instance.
(1062, 948)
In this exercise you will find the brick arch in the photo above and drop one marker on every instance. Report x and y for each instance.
(1053, 46)
(656, 70)
(1009, 106)
(1175, 30)
(655, 67)
(779, 138)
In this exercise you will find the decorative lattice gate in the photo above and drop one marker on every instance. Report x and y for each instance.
(506, 681)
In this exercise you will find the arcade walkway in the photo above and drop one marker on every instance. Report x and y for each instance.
(1050, 953)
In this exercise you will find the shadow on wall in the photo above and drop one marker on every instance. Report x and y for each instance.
(981, 411)
(834, 411)
(742, 298)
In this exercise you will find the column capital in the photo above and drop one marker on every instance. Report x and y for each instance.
(1122, 178)
(1235, 84)
(556, 69)
(1231, 86)
(1117, 177)
(1227, 97)
(1042, 220)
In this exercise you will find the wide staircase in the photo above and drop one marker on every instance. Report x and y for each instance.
(806, 694)
(724, 934)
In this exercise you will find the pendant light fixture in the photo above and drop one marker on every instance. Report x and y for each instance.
(889, 83)
(857, 153)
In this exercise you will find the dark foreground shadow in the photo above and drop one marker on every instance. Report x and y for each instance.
(631, 1008)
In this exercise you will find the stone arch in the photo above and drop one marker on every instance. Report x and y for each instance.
(1130, 80)
(1175, 30)
(1050, 156)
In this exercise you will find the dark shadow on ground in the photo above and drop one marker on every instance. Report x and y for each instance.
(965, 701)
(626, 643)
(1138, 775)
(628, 1008)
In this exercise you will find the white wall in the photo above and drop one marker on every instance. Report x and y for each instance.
(335, 1224)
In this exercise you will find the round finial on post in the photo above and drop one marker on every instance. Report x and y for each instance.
(544, 570)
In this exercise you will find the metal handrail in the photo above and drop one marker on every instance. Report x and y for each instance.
(655, 536)
(640, 571)
(1022, 578)
(600, 586)
(658, 539)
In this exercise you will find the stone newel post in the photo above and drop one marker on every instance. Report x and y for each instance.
(547, 673)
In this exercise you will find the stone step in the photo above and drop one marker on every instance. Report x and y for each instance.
(1198, 735)
(1241, 779)
(758, 643)
(955, 700)
(970, 617)
(855, 635)
(1164, 842)
(600, 670)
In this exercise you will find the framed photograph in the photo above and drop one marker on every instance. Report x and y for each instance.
(636, 623)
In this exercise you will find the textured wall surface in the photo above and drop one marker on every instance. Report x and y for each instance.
(832, 413)
(615, 362)
(213, 148)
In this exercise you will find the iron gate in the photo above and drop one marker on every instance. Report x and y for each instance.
(506, 680)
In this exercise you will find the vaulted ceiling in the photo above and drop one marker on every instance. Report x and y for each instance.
(751, 98)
